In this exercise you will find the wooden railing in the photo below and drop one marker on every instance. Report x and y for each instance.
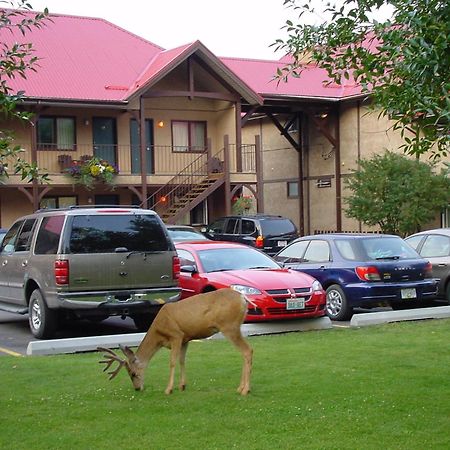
(164, 160)
(191, 176)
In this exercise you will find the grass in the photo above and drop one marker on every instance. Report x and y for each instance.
(382, 387)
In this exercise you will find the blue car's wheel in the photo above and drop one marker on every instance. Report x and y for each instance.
(337, 305)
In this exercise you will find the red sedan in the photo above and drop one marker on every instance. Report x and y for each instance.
(274, 292)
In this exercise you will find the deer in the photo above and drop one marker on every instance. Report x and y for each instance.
(196, 317)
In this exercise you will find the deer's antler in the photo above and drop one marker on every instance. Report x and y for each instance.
(110, 358)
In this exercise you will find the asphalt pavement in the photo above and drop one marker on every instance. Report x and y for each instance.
(17, 340)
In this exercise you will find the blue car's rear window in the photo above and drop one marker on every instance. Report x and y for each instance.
(375, 248)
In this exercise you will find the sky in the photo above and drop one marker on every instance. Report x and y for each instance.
(239, 28)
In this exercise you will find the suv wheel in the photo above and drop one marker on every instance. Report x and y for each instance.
(143, 321)
(337, 305)
(43, 321)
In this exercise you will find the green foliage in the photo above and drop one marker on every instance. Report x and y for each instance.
(397, 193)
(403, 63)
(91, 171)
(310, 390)
(15, 61)
(242, 205)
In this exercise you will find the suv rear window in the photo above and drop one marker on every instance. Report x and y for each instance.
(106, 233)
(276, 227)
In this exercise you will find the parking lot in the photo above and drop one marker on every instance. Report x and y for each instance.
(15, 333)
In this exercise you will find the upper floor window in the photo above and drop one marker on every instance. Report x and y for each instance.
(188, 135)
(56, 133)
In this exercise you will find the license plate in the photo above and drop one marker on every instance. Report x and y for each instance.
(408, 293)
(282, 243)
(295, 304)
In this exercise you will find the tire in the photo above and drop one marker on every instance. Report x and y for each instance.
(337, 307)
(447, 293)
(143, 321)
(43, 320)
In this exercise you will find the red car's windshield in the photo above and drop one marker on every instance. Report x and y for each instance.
(235, 259)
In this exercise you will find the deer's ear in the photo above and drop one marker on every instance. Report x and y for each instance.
(127, 351)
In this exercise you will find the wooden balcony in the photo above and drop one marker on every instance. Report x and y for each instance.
(164, 162)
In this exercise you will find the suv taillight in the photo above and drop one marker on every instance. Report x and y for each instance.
(176, 267)
(369, 273)
(259, 243)
(61, 272)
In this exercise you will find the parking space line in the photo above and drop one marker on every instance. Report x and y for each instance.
(9, 352)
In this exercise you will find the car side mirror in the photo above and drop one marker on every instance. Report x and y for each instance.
(189, 268)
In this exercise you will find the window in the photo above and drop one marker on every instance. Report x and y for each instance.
(216, 227)
(56, 133)
(248, 226)
(317, 251)
(232, 226)
(188, 136)
(293, 253)
(435, 246)
(105, 233)
(292, 189)
(24, 240)
(48, 236)
(10, 238)
(58, 202)
(186, 258)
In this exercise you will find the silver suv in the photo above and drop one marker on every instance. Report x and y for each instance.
(87, 263)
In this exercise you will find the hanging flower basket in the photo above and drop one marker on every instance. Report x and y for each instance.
(91, 171)
(242, 204)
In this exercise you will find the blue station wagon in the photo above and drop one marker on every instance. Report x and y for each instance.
(362, 270)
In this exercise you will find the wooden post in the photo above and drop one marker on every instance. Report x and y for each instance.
(142, 144)
(259, 176)
(226, 157)
(35, 186)
(238, 137)
(337, 162)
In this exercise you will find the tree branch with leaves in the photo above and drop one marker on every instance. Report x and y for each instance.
(402, 63)
(398, 194)
(15, 61)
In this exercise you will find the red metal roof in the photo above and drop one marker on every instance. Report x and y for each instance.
(90, 59)
(312, 83)
(83, 59)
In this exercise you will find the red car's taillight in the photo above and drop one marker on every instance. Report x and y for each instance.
(368, 273)
(176, 268)
(61, 272)
(259, 243)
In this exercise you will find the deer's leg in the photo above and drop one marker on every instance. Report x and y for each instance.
(182, 366)
(174, 356)
(236, 338)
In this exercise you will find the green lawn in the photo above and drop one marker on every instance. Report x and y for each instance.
(382, 387)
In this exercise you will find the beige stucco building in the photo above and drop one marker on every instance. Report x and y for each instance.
(186, 130)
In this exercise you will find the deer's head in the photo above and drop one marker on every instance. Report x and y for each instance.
(134, 367)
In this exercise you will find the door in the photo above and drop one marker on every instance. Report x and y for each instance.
(135, 146)
(7, 250)
(104, 138)
(15, 261)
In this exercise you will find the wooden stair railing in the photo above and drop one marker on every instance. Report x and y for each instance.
(189, 187)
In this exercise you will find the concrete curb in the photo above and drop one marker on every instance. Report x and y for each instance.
(361, 320)
(85, 344)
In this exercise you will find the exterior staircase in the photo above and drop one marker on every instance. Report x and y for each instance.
(189, 187)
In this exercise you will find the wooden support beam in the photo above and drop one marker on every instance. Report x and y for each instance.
(282, 130)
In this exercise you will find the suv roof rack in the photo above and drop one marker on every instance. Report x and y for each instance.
(68, 208)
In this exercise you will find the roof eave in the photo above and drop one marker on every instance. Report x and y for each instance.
(197, 47)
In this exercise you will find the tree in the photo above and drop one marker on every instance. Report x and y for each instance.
(15, 61)
(397, 193)
(402, 62)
